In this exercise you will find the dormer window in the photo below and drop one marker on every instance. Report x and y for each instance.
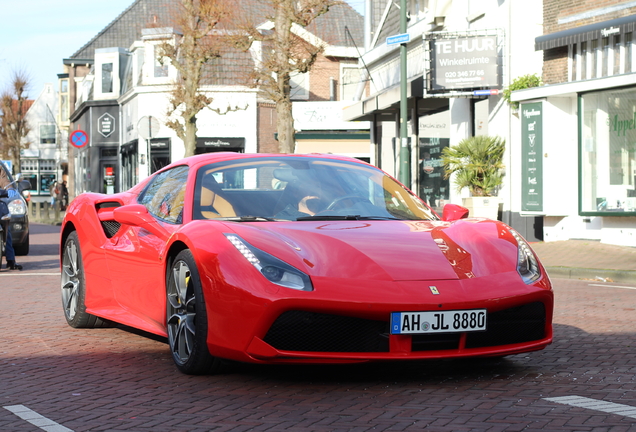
(161, 70)
(107, 78)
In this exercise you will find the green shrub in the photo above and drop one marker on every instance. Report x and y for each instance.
(520, 83)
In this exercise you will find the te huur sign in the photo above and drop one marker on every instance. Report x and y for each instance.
(464, 63)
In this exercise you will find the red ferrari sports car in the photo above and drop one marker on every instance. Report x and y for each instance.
(299, 259)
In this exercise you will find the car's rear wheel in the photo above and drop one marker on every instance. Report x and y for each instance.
(74, 287)
(187, 318)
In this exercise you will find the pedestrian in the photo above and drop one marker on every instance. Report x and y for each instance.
(63, 195)
(53, 190)
(10, 192)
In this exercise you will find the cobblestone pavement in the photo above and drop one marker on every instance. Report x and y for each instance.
(121, 380)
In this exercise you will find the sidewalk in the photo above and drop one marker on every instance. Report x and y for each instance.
(586, 259)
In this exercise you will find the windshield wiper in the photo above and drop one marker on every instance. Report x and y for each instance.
(247, 219)
(347, 217)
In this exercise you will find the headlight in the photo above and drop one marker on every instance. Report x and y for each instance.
(527, 264)
(273, 269)
(17, 207)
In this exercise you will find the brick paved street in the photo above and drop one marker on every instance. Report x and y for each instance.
(117, 380)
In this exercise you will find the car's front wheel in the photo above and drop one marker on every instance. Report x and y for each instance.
(187, 318)
(74, 287)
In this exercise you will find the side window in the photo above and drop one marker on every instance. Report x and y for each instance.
(165, 195)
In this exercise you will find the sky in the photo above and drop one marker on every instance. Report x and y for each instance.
(35, 35)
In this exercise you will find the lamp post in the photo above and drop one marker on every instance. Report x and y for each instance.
(405, 163)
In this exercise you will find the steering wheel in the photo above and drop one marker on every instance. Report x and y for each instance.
(355, 198)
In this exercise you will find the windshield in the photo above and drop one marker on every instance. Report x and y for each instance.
(301, 188)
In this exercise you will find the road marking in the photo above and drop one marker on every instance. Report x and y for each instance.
(29, 274)
(613, 286)
(597, 405)
(36, 419)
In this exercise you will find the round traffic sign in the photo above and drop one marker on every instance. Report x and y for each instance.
(78, 138)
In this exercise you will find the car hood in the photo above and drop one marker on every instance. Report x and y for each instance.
(387, 250)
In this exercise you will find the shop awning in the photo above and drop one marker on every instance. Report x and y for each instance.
(584, 33)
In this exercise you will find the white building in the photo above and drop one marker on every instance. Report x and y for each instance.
(446, 103)
(44, 160)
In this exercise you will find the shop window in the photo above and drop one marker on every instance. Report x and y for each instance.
(47, 134)
(433, 186)
(608, 153)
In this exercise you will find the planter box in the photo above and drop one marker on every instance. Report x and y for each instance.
(487, 207)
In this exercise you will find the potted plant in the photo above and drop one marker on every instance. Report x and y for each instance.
(477, 163)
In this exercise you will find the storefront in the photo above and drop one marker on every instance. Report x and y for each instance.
(584, 164)
(97, 167)
(608, 152)
(219, 144)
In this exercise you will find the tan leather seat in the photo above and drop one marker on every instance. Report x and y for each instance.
(213, 205)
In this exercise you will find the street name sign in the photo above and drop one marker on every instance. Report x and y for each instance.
(398, 39)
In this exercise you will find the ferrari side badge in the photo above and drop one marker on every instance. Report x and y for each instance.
(434, 290)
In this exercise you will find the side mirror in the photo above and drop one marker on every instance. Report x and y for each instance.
(137, 215)
(453, 212)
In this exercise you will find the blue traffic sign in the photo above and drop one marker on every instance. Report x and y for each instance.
(78, 138)
(398, 39)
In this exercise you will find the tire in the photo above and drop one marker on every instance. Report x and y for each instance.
(22, 248)
(186, 318)
(73, 285)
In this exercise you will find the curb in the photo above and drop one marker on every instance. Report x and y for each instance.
(601, 275)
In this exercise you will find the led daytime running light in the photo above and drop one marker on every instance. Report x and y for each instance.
(272, 268)
(247, 253)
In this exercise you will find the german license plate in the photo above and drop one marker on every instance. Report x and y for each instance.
(438, 322)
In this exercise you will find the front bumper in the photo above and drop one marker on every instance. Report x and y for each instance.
(345, 321)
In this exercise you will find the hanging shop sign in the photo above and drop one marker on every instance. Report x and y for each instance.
(532, 157)
(464, 63)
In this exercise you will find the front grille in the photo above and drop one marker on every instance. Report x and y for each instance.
(515, 325)
(434, 342)
(316, 332)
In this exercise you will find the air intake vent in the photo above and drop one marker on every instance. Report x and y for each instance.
(315, 332)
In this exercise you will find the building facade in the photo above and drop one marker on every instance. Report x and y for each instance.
(44, 160)
(121, 99)
(585, 120)
(460, 55)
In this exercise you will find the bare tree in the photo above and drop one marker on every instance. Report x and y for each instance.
(285, 53)
(13, 125)
(189, 52)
